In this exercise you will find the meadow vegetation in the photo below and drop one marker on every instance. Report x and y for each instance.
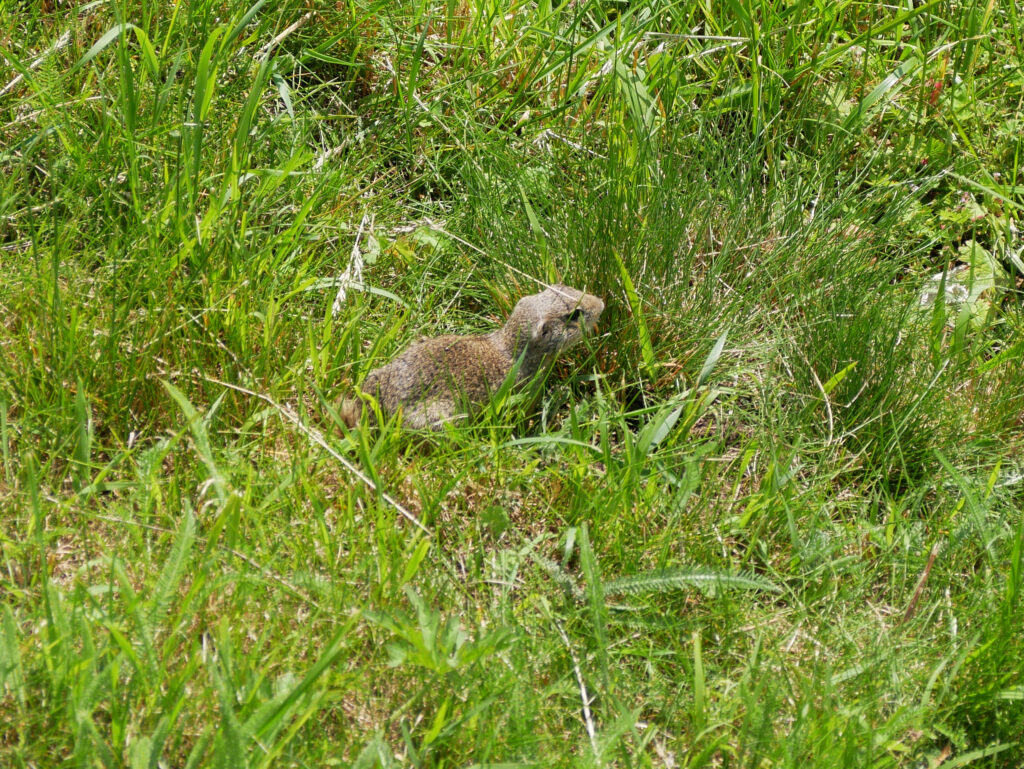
(769, 515)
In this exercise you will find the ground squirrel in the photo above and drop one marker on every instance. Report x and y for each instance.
(433, 378)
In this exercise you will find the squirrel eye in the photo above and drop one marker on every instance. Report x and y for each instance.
(574, 315)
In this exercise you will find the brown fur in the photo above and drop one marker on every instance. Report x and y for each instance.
(433, 378)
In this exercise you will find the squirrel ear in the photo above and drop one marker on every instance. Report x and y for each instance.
(538, 330)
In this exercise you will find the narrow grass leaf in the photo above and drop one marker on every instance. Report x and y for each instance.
(1011, 354)
(837, 378)
(440, 719)
(894, 80)
(596, 600)
(285, 92)
(5, 438)
(1015, 579)
(245, 118)
(637, 310)
(206, 77)
(417, 60)
(227, 518)
(657, 429)
(412, 564)
(200, 437)
(12, 677)
(531, 216)
(148, 52)
(712, 359)
(244, 20)
(643, 108)
(699, 695)
(83, 436)
(97, 47)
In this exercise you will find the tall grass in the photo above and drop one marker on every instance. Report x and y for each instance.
(769, 515)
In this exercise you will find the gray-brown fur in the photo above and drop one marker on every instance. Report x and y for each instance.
(434, 378)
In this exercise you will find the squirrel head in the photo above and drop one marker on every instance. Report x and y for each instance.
(555, 319)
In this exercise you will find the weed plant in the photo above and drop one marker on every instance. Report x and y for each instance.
(769, 515)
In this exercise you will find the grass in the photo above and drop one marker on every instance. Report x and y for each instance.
(770, 515)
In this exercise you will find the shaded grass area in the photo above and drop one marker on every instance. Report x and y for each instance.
(769, 515)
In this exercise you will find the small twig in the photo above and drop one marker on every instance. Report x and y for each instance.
(543, 136)
(588, 721)
(62, 41)
(317, 437)
(920, 583)
(265, 50)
